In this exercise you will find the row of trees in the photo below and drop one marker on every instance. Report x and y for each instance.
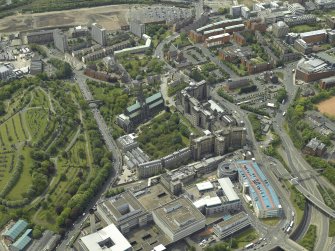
(63, 69)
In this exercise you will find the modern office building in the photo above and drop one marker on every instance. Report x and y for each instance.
(124, 211)
(60, 40)
(99, 34)
(231, 225)
(106, 239)
(178, 219)
(255, 184)
(280, 29)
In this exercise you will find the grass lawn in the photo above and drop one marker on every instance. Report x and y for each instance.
(279, 74)
(331, 232)
(246, 237)
(295, 196)
(309, 239)
(305, 28)
(37, 122)
(271, 221)
(25, 179)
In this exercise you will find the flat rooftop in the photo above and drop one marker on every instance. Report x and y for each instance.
(260, 189)
(122, 206)
(179, 214)
(106, 239)
(153, 197)
(228, 189)
(231, 220)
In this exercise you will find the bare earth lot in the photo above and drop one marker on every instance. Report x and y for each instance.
(327, 106)
(112, 17)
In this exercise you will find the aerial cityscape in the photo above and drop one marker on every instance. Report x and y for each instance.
(180, 125)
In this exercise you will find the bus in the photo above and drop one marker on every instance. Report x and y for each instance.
(288, 229)
(291, 224)
(250, 245)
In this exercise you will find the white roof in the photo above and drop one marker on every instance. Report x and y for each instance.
(215, 106)
(207, 201)
(92, 241)
(160, 247)
(228, 189)
(312, 33)
(204, 186)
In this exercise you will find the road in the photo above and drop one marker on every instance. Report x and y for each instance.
(216, 60)
(111, 146)
(276, 236)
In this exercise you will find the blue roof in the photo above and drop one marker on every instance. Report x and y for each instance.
(16, 230)
(260, 189)
(23, 241)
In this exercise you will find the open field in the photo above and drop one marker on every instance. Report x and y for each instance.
(327, 106)
(112, 17)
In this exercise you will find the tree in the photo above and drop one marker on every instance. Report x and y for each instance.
(37, 233)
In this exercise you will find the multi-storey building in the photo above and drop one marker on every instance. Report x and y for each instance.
(315, 147)
(236, 10)
(60, 40)
(125, 211)
(99, 34)
(217, 40)
(255, 184)
(297, 20)
(137, 28)
(40, 37)
(106, 239)
(303, 47)
(316, 36)
(5, 72)
(280, 29)
(178, 219)
(232, 225)
(296, 9)
(218, 143)
(330, 21)
(327, 83)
